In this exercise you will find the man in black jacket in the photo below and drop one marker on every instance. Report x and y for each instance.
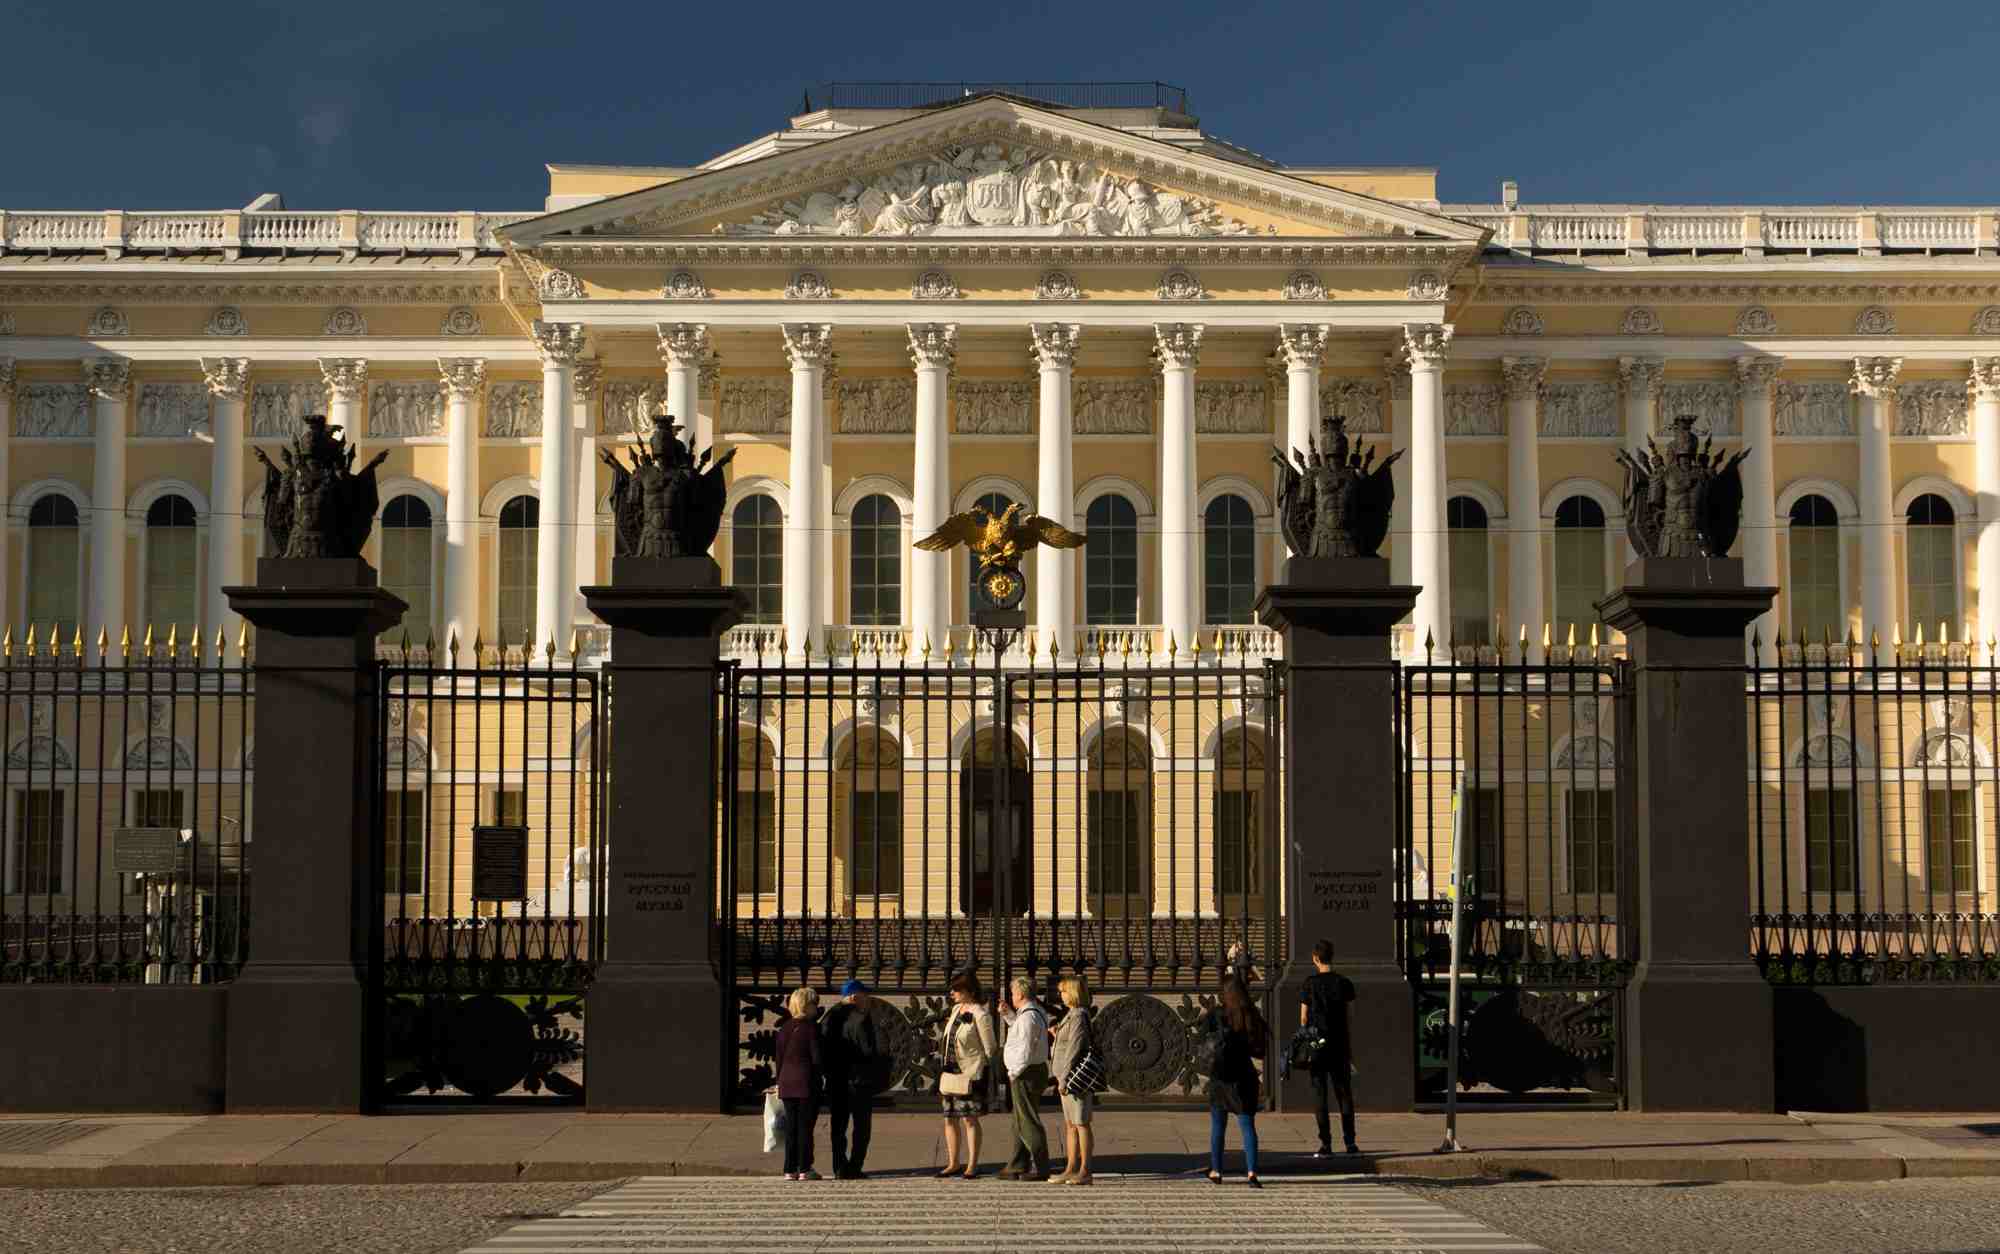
(1323, 1006)
(857, 1069)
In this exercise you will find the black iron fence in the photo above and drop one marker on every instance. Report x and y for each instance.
(124, 804)
(1872, 789)
(902, 819)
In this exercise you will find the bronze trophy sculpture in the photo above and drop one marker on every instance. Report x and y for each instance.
(317, 504)
(1334, 499)
(1686, 501)
(999, 542)
(668, 501)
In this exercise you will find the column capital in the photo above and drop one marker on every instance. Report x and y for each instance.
(1524, 378)
(808, 344)
(1055, 344)
(1875, 376)
(346, 377)
(1986, 378)
(1641, 376)
(1302, 345)
(1396, 373)
(462, 376)
(1426, 342)
(109, 378)
(710, 371)
(1757, 371)
(560, 343)
(228, 377)
(683, 344)
(584, 379)
(1176, 345)
(933, 344)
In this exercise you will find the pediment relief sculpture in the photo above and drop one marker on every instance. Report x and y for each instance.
(1581, 409)
(757, 406)
(171, 409)
(1232, 407)
(1819, 408)
(53, 410)
(278, 406)
(406, 410)
(1359, 401)
(1473, 409)
(1112, 406)
(994, 406)
(994, 189)
(878, 406)
(514, 408)
(629, 406)
(1932, 407)
(1711, 402)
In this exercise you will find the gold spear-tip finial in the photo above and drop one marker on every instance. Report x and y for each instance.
(1547, 637)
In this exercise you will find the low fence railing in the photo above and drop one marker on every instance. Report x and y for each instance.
(349, 232)
(1750, 230)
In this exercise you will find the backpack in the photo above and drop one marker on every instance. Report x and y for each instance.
(1205, 1053)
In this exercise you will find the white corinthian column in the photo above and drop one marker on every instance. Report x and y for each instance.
(463, 377)
(1874, 381)
(346, 383)
(1302, 345)
(1755, 376)
(933, 348)
(1055, 488)
(1426, 344)
(1523, 379)
(810, 346)
(1177, 346)
(110, 382)
(555, 540)
(1986, 481)
(229, 384)
(685, 346)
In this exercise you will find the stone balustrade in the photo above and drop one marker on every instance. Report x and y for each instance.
(349, 232)
(1753, 231)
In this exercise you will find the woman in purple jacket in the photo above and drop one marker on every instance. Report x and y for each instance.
(799, 1072)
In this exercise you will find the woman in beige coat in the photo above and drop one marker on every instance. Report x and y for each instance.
(1072, 1042)
(969, 1050)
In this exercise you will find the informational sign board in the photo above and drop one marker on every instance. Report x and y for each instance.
(500, 864)
(145, 850)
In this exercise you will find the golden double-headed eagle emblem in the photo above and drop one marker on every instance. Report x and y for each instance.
(998, 541)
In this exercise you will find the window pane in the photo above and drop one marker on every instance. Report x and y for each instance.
(35, 860)
(403, 841)
(1111, 562)
(1471, 591)
(1930, 558)
(1236, 843)
(157, 807)
(1829, 840)
(1948, 866)
(1484, 821)
(1116, 854)
(1815, 570)
(756, 843)
(53, 555)
(170, 563)
(1579, 567)
(406, 562)
(875, 564)
(877, 845)
(1229, 535)
(1591, 842)
(757, 558)
(518, 542)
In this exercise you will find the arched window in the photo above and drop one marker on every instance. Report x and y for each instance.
(170, 563)
(1930, 558)
(1118, 874)
(1229, 560)
(1471, 591)
(406, 561)
(757, 557)
(1815, 575)
(53, 566)
(994, 503)
(1242, 819)
(520, 521)
(875, 563)
(869, 797)
(1111, 562)
(1579, 566)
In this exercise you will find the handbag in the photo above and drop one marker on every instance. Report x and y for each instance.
(1205, 1054)
(955, 1081)
(1086, 1075)
(774, 1122)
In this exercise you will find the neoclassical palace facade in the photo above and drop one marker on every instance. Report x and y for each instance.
(1106, 314)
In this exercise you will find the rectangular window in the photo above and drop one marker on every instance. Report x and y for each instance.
(35, 855)
(1579, 575)
(1116, 855)
(1237, 871)
(1948, 866)
(1483, 829)
(756, 842)
(170, 576)
(517, 585)
(52, 581)
(1933, 578)
(875, 867)
(156, 807)
(406, 571)
(1471, 604)
(1592, 841)
(1815, 583)
(1829, 840)
(403, 817)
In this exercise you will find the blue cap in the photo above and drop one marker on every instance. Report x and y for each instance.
(852, 987)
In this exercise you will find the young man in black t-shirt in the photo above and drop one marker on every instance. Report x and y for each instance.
(1323, 1005)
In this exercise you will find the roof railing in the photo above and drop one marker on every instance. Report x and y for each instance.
(1752, 231)
(231, 232)
(1134, 95)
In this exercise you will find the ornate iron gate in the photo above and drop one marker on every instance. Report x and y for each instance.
(1523, 761)
(1004, 812)
(489, 869)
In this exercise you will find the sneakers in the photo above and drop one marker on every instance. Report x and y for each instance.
(811, 1175)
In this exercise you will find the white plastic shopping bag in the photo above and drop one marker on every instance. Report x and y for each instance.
(774, 1122)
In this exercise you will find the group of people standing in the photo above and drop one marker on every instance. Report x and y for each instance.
(841, 1060)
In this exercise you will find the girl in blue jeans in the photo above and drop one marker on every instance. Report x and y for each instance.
(1232, 1088)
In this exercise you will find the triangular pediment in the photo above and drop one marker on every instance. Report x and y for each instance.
(993, 167)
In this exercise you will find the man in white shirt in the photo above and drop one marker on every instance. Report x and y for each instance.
(1027, 1058)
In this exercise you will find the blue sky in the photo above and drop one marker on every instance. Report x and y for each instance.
(422, 105)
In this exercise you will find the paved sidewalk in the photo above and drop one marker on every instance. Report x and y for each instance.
(509, 1145)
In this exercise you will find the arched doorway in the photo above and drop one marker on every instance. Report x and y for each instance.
(996, 855)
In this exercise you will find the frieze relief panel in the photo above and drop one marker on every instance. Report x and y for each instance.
(994, 406)
(1232, 407)
(1112, 406)
(1933, 407)
(994, 189)
(1472, 409)
(276, 407)
(1710, 402)
(629, 406)
(878, 406)
(1811, 409)
(757, 406)
(1583, 408)
(171, 409)
(1360, 401)
(514, 408)
(406, 410)
(54, 410)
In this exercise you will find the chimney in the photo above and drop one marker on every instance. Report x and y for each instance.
(1510, 195)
